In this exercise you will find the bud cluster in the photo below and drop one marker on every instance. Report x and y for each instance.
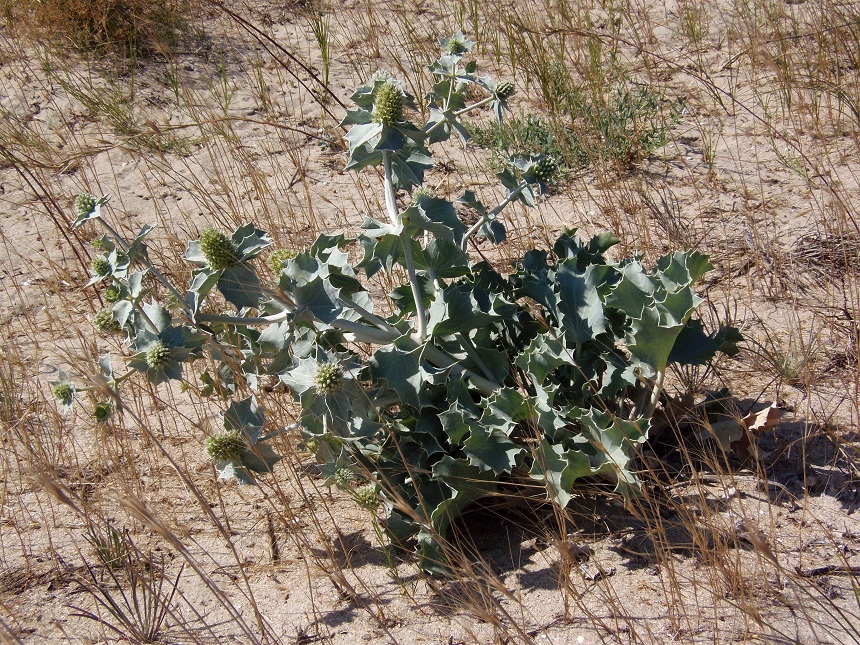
(329, 378)
(225, 446)
(100, 266)
(63, 392)
(545, 169)
(158, 355)
(367, 496)
(218, 249)
(85, 204)
(504, 89)
(105, 322)
(113, 293)
(102, 411)
(343, 476)
(278, 259)
(388, 104)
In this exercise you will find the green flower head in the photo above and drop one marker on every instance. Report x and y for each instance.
(102, 411)
(504, 89)
(343, 476)
(422, 192)
(85, 204)
(388, 104)
(225, 446)
(114, 293)
(100, 266)
(545, 168)
(63, 392)
(158, 355)
(367, 496)
(104, 321)
(457, 44)
(329, 378)
(278, 259)
(218, 249)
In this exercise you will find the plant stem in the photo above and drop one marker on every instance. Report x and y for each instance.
(158, 275)
(647, 402)
(394, 215)
(372, 318)
(460, 112)
(240, 320)
(390, 198)
(472, 351)
(491, 215)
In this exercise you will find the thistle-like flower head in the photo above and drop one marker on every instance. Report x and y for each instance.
(278, 259)
(225, 446)
(545, 168)
(158, 355)
(343, 476)
(218, 249)
(63, 392)
(504, 89)
(100, 266)
(105, 322)
(85, 204)
(388, 104)
(113, 293)
(367, 496)
(421, 192)
(102, 411)
(329, 378)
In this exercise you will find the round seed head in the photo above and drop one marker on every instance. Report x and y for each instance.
(312, 445)
(456, 46)
(104, 321)
(343, 476)
(278, 259)
(226, 446)
(504, 89)
(100, 266)
(63, 392)
(102, 411)
(113, 293)
(388, 105)
(158, 355)
(545, 169)
(85, 204)
(367, 497)
(218, 249)
(329, 378)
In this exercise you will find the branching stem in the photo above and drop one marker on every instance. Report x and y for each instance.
(491, 215)
(459, 113)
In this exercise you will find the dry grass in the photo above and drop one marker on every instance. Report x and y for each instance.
(760, 170)
(117, 26)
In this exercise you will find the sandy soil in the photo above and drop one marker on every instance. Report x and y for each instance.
(767, 552)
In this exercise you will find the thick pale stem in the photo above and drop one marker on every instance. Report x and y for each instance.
(472, 351)
(491, 215)
(394, 215)
(420, 313)
(390, 198)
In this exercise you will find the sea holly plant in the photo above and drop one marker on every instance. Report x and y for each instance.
(476, 382)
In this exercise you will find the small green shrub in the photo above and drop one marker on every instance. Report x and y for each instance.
(477, 383)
